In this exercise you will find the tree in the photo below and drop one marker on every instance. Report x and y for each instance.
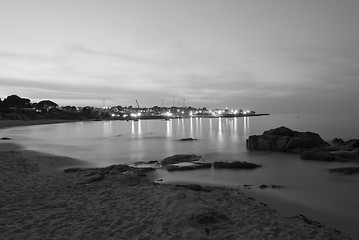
(15, 102)
(46, 105)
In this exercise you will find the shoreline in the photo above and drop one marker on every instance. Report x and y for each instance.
(5, 123)
(41, 201)
(19, 123)
(53, 161)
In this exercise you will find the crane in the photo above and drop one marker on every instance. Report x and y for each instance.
(137, 104)
(184, 102)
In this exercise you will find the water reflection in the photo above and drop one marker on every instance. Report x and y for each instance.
(139, 128)
(210, 128)
(246, 129)
(191, 128)
(169, 129)
(133, 128)
(220, 133)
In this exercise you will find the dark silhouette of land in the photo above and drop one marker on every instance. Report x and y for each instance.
(17, 108)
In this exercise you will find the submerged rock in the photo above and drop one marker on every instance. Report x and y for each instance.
(187, 166)
(180, 158)
(236, 165)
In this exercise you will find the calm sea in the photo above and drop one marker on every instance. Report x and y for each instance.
(309, 188)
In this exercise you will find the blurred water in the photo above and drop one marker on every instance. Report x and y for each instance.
(308, 187)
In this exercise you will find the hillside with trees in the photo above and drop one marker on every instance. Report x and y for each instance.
(17, 108)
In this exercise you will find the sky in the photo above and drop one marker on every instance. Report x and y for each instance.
(270, 56)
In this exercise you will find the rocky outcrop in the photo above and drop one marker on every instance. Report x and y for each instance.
(180, 158)
(345, 170)
(182, 162)
(236, 165)
(284, 139)
(340, 152)
(187, 166)
(196, 187)
(187, 139)
(92, 175)
(5, 138)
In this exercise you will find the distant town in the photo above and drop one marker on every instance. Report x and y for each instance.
(18, 108)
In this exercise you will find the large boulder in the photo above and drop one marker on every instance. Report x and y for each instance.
(283, 139)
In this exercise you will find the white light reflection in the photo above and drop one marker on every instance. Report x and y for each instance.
(178, 128)
(191, 128)
(234, 129)
(132, 128)
(220, 134)
(107, 128)
(169, 128)
(235, 123)
(210, 127)
(139, 128)
(197, 127)
(246, 128)
(183, 129)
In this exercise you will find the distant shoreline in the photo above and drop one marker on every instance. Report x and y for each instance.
(18, 123)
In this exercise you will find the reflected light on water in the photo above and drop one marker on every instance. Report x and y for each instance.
(132, 128)
(246, 129)
(169, 129)
(220, 134)
(235, 123)
(178, 127)
(139, 127)
(191, 128)
(107, 128)
(183, 129)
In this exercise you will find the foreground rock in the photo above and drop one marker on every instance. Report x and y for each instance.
(92, 175)
(236, 165)
(285, 140)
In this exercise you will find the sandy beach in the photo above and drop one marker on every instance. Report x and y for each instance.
(41, 201)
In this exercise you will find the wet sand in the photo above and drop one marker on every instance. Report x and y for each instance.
(41, 201)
